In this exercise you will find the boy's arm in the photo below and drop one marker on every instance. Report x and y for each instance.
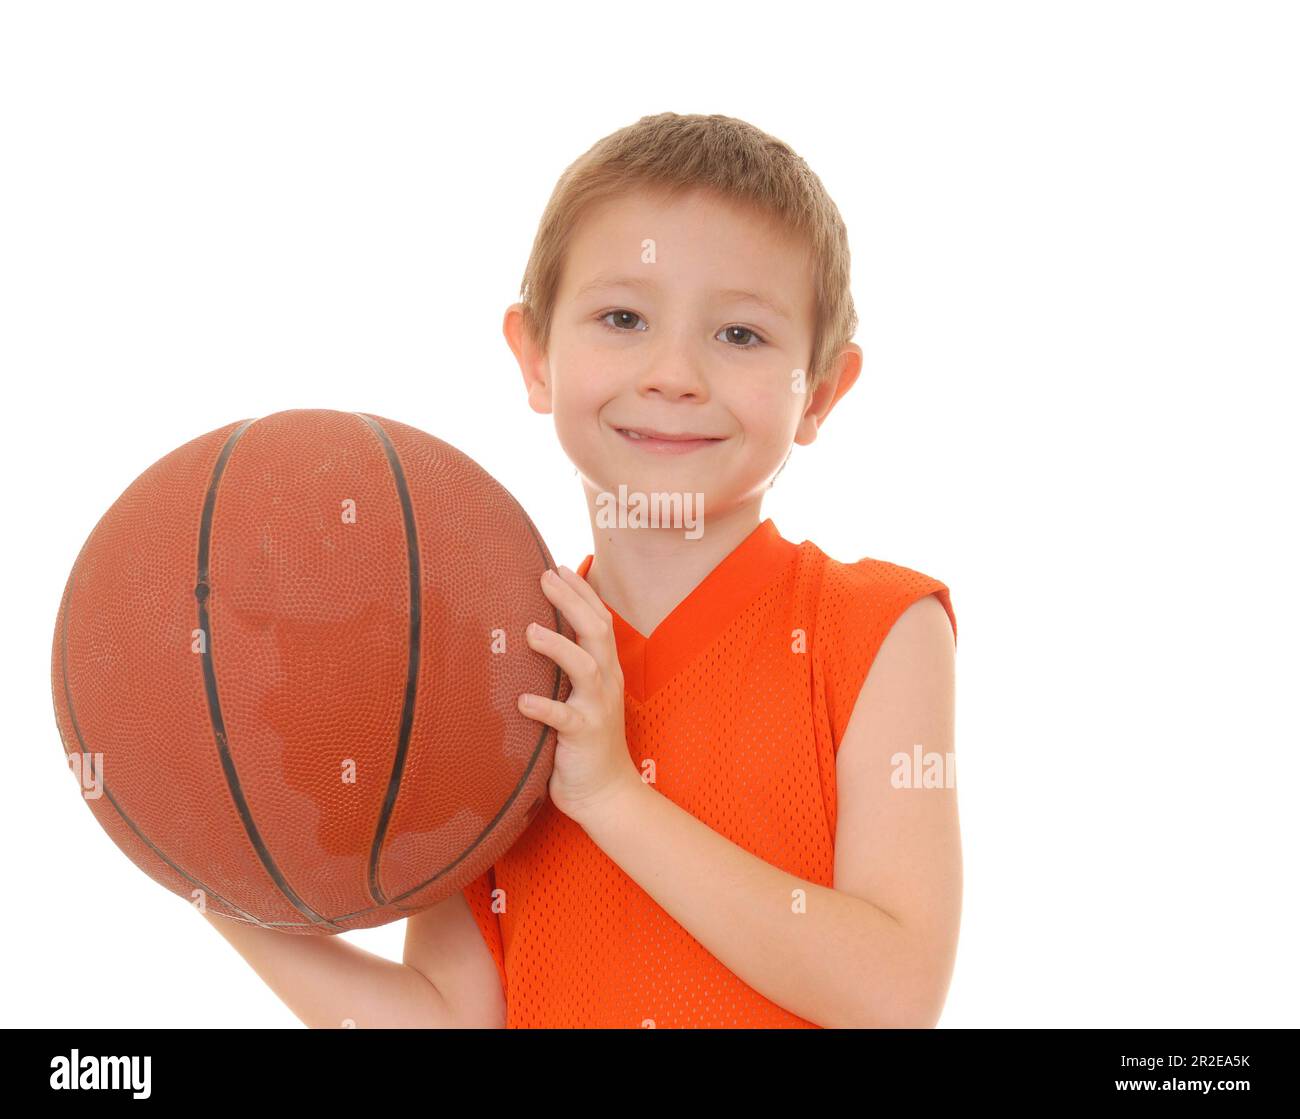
(444, 944)
(878, 948)
(330, 983)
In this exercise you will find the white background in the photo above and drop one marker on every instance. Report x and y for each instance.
(1075, 244)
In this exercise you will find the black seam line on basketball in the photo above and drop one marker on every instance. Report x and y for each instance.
(523, 781)
(87, 756)
(451, 866)
(412, 655)
(527, 773)
(537, 749)
(201, 593)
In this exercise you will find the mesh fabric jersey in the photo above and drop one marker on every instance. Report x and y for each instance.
(741, 697)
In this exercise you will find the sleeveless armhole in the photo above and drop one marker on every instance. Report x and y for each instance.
(857, 606)
(478, 895)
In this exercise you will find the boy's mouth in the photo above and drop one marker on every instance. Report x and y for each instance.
(665, 442)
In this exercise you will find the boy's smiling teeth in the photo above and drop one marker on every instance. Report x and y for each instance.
(650, 433)
(664, 443)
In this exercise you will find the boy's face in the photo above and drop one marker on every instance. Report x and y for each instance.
(660, 337)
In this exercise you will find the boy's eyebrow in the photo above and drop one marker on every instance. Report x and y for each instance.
(649, 285)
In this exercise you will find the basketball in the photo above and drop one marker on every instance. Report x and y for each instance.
(286, 666)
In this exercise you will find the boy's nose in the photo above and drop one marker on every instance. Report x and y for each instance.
(673, 376)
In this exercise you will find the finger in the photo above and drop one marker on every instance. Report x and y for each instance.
(585, 589)
(578, 664)
(595, 630)
(549, 711)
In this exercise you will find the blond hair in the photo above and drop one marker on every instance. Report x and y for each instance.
(729, 157)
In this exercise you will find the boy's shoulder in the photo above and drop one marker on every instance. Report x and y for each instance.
(869, 574)
(868, 593)
(857, 604)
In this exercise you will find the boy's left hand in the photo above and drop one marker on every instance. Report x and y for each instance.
(592, 763)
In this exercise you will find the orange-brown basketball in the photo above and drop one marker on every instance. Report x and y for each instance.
(286, 669)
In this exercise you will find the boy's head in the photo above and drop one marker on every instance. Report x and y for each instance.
(690, 275)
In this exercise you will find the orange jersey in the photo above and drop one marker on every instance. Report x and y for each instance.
(740, 697)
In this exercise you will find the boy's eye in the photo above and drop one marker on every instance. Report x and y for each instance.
(746, 331)
(621, 316)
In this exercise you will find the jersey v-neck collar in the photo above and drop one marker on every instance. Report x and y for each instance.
(650, 662)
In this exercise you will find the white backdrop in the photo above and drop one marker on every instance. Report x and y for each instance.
(1075, 244)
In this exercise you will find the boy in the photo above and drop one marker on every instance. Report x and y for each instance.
(734, 835)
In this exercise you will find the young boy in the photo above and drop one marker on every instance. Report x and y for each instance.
(745, 825)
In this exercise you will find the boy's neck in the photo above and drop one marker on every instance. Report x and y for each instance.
(644, 573)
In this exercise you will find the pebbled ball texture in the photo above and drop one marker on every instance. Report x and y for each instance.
(288, 660)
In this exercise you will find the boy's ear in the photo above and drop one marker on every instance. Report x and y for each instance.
(844, 372)
(531, 358)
